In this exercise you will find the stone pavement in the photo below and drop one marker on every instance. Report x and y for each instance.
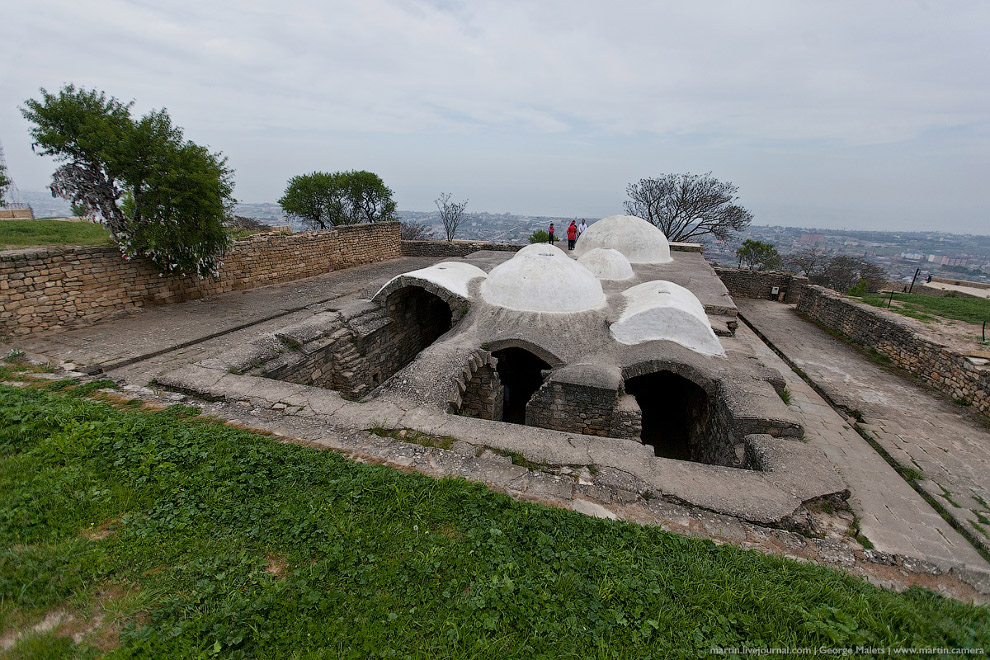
(140, 345)
(939, 446)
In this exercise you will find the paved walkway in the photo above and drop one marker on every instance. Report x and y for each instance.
(946, 448)
(141, 345)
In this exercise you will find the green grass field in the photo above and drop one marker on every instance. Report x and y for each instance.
(926, 308)
(28, 233)
(160, 536)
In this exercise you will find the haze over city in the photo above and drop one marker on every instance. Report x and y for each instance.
(838, 115)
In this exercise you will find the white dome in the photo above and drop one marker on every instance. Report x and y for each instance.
(664, 310)
(638, 240)
(606, 264)
(542, 278)
(454, 276)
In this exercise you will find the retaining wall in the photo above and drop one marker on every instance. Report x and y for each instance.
(452, 249)
(16, 214)
(759, 284)
(43, 289)
(938, 366)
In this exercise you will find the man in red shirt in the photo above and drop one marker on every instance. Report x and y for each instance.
(571, 235)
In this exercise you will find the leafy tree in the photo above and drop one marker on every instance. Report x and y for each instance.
(369, 198)
(319, 200)
(759, 255)
(416, 231)
(685, 206)
(79, 210)
(161, 197)
(328, 199)
(539, 236)
(451, 213)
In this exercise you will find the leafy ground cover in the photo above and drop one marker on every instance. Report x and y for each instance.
(925, 308)
(26, 233)
(159, 535)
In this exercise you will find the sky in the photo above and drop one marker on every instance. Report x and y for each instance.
(856, 114)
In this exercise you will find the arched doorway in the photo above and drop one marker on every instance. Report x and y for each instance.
(420, 318)
(676, 413)
(521, 374)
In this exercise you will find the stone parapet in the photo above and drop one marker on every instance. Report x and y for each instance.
(759, 284)
(452, 248)
(44, 289)
(938, 366)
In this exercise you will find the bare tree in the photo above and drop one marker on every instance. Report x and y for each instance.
(451, 213)
(811, 261)
(416, 231)
(685, 206)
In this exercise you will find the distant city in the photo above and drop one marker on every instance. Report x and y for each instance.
(901, 254)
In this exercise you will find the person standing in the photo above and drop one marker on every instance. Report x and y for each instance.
(550, 231)
(582, 227)
(571, 235)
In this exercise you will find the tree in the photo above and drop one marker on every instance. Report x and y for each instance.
(539, 236)
(328, 199)
(843, 272)
(685, 206)
(318, 199)
(4, 180)
(810, 261)
(759, 255)
(451, 213)
(369, 198)
(415, 231)
(161, 197)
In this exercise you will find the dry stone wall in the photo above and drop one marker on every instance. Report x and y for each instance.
(16, 214)
(938, 366)
(744, 283)
(452, 249)
(46, 289)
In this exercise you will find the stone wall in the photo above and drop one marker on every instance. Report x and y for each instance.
(743, 283)
(575, 408)
(452, 249)
(938, 366)
(44, 289)
(16, 214)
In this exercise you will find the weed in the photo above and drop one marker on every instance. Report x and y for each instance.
(785, 396)
(909, 474)
(948, 497)
(290, 343)
(857, 533)
(961, 402)
(980, 528)
(14, 355)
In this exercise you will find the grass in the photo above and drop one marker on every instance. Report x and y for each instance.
(165, 536)
(29, 233)
(16, 234)
(925, 308)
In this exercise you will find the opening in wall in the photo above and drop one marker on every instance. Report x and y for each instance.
(675, 413)
(521, 374)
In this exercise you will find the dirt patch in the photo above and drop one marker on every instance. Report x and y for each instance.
(277, 565)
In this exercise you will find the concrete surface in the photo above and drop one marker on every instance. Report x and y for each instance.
(920, 430)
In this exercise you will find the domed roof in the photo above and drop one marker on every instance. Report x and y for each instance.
(666, 311)
(606, 264)
(638, 240)
(452, 276)
(542, 278)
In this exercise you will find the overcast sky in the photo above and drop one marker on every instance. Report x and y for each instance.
(852, 114)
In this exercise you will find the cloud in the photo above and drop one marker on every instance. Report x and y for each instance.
(723, 77)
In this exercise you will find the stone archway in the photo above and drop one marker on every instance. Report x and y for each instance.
(676, 415)
(521, 373)
(419, 318)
